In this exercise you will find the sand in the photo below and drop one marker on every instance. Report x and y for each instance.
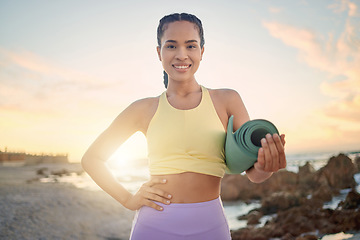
(34, 210)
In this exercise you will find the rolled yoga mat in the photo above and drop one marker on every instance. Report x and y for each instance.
(242, 146)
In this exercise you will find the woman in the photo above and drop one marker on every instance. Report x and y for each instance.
(185, 130)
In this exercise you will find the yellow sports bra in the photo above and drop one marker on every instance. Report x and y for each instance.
(186, 140)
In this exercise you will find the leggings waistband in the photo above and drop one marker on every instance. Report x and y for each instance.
(192, 205)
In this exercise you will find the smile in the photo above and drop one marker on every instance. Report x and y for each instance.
(182, 66)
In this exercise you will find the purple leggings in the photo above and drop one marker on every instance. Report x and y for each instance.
(182, 221)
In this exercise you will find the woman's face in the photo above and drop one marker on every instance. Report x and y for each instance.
(180, 51)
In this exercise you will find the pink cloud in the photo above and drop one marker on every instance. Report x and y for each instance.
(35, 64)
(31, 83)
(338, 57)
(343, 5)
(346, 109)
(275, 9)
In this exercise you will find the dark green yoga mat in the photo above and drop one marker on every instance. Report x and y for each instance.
(242, 146)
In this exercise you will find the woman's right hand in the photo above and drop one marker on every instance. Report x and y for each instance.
(147, 194)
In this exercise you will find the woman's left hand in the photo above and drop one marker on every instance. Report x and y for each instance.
(271, 155)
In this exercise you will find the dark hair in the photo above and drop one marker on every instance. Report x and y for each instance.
(174, 18)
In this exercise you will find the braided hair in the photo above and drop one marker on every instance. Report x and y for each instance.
(174, 18)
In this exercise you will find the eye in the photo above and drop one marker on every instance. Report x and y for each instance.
(170, 46)
(192, 46)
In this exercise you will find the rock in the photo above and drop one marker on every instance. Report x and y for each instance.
(287, 236)
(306, 170)
(305, 177)
(357, 163)
(239, 187)
(344, 220)
(286, 194)
(307, 237)
(230, 192)
(42, 171)
(338, 172)
(252, 217)
(279, 201)
(323, 193)
(294, 222)
(251, 233)
(60, 172)
(280, 181)
(352, 200)
(314, 203)
(231, 187)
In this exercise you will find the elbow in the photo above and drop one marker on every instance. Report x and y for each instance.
(86, 162)
(252, 178)
(256, 180)
(256, 177)
(259, 179)
(89, 162)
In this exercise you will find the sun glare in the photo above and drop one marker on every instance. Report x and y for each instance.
(131, 153)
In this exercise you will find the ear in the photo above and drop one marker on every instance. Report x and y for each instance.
(202, 52)
(158, 49)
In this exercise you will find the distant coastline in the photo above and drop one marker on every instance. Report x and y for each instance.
(22, 158)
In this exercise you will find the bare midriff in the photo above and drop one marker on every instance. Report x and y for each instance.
(189, 187)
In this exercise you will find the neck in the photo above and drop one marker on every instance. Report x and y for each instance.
(182, 88)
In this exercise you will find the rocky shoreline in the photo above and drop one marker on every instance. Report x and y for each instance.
(296, 200)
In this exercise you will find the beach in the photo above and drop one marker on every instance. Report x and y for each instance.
(31, 209)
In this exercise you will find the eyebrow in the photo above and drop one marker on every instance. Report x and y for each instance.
(188, 41)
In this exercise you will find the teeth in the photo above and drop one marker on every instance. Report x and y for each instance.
(181, 67)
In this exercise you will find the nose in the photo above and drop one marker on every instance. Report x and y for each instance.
(181, 54)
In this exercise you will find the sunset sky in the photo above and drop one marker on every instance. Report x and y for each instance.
(68, 68)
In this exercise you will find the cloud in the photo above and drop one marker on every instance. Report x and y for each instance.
(343, 5)
(32, 63)
(275, 9)
(348, 109)
(306, 41)
(317, 132)
(31, 83)
(340, 58)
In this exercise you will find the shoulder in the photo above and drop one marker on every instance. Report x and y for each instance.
(138, 114)
(145, 103)
(142, 108)
(230, 101)
(225, 95)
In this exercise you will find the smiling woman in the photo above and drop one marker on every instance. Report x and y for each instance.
(185, 129)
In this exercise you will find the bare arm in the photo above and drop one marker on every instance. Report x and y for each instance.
(271, 155)
(132, 119)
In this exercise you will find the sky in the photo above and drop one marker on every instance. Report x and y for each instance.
(68, 68)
